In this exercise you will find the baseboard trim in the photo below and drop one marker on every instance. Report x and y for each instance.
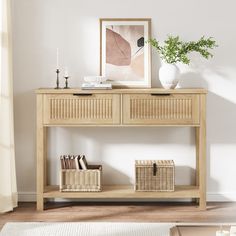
(211, 197)
(27, 196)
(221, 197)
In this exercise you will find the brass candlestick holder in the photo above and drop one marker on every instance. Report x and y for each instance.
(57, 81)
(66, 82)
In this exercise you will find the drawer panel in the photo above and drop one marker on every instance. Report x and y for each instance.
(82, 109)
(151, 109)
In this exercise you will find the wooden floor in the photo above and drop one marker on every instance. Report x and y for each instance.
(123, 212)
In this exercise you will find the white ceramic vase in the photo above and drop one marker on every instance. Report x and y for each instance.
(169, 75)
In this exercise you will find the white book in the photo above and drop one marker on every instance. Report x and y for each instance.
(62, 162)
(67, 164)
(96, 86)
(77, 162)
(83, 162)
(72, 162)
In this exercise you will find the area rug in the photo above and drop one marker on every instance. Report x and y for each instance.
(85, 229)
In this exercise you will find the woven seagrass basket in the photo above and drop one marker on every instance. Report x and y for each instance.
(81, 180)
(154, 175)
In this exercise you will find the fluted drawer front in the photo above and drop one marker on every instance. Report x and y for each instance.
(161, 109)
(82, 109)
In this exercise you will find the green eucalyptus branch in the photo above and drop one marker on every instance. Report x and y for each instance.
(174, 50)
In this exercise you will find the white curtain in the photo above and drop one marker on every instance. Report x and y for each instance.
(8, 191)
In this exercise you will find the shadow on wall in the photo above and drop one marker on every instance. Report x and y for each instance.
(25, 137)
(192, 80)
(221, 128)
(185, 171)
(220, 112)
(111, 174)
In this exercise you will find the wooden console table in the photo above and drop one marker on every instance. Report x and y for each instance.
(121, 107)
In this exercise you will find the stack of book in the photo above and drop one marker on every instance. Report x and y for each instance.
(88, 85)
(77, 162)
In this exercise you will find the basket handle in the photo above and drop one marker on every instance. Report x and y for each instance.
(154, 169)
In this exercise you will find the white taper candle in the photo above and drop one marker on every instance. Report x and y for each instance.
(66, 72)
(57, 58)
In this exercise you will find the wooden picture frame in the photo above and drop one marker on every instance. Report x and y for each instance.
(125, 57)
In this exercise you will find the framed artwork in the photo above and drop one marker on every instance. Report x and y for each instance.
(125, 57)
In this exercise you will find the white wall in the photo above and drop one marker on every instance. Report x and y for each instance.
(40, 26)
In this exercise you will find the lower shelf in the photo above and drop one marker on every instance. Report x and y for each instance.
(124, 191)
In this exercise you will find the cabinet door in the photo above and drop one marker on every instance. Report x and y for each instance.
(90, 109)
(161, 109)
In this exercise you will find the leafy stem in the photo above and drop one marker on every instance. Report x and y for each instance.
(174, 50)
